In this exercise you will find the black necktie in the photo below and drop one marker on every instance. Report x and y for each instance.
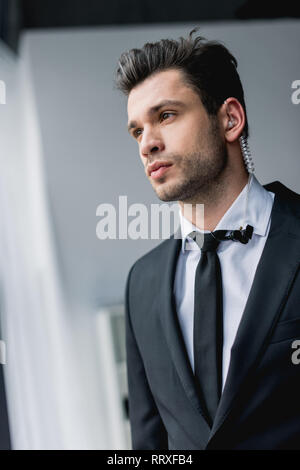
(208, 315)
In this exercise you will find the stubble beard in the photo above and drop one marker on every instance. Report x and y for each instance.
(201, 173)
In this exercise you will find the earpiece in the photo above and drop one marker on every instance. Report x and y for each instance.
(244, 146)
(230, 124)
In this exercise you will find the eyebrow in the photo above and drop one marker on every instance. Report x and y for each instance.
(155, 109)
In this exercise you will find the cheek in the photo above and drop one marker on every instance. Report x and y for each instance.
(188, 131)
(178, 135)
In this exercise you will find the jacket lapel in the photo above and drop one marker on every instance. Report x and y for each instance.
(274, 275)
(172, 331)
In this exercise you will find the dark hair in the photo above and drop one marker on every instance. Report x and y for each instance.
(207, 66)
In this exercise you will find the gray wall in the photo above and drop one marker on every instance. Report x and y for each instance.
(90, 159)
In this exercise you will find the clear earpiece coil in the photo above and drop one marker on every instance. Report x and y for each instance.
(246, 154)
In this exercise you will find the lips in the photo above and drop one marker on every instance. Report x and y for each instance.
(156, 165)
(157, 174)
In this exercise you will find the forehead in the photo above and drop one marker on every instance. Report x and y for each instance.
(165, 85)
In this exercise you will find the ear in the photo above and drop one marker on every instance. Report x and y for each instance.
(232, 116)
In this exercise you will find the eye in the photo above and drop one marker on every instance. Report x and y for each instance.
(137, 133)
(165, 115)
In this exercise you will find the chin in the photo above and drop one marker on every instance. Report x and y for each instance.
(167, 191)
(166, 196)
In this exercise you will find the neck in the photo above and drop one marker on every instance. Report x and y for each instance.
(216, 200)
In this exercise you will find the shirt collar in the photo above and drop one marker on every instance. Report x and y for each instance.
(260, 203)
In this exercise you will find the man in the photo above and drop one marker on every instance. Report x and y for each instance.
(211, 326)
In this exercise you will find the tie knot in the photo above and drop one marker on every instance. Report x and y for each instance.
(206, 241)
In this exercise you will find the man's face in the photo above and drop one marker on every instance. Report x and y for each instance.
(173, 129)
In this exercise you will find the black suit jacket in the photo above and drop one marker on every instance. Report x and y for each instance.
(260, 403)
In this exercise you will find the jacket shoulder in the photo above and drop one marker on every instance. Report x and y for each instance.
(154, 256)
(147, 273)
(283, 192)
(290, 200)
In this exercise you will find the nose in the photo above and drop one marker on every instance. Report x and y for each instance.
(151, 143)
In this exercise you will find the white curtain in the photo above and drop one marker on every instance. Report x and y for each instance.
(56, 396)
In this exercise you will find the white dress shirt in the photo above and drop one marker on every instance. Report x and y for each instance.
(238, 265)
